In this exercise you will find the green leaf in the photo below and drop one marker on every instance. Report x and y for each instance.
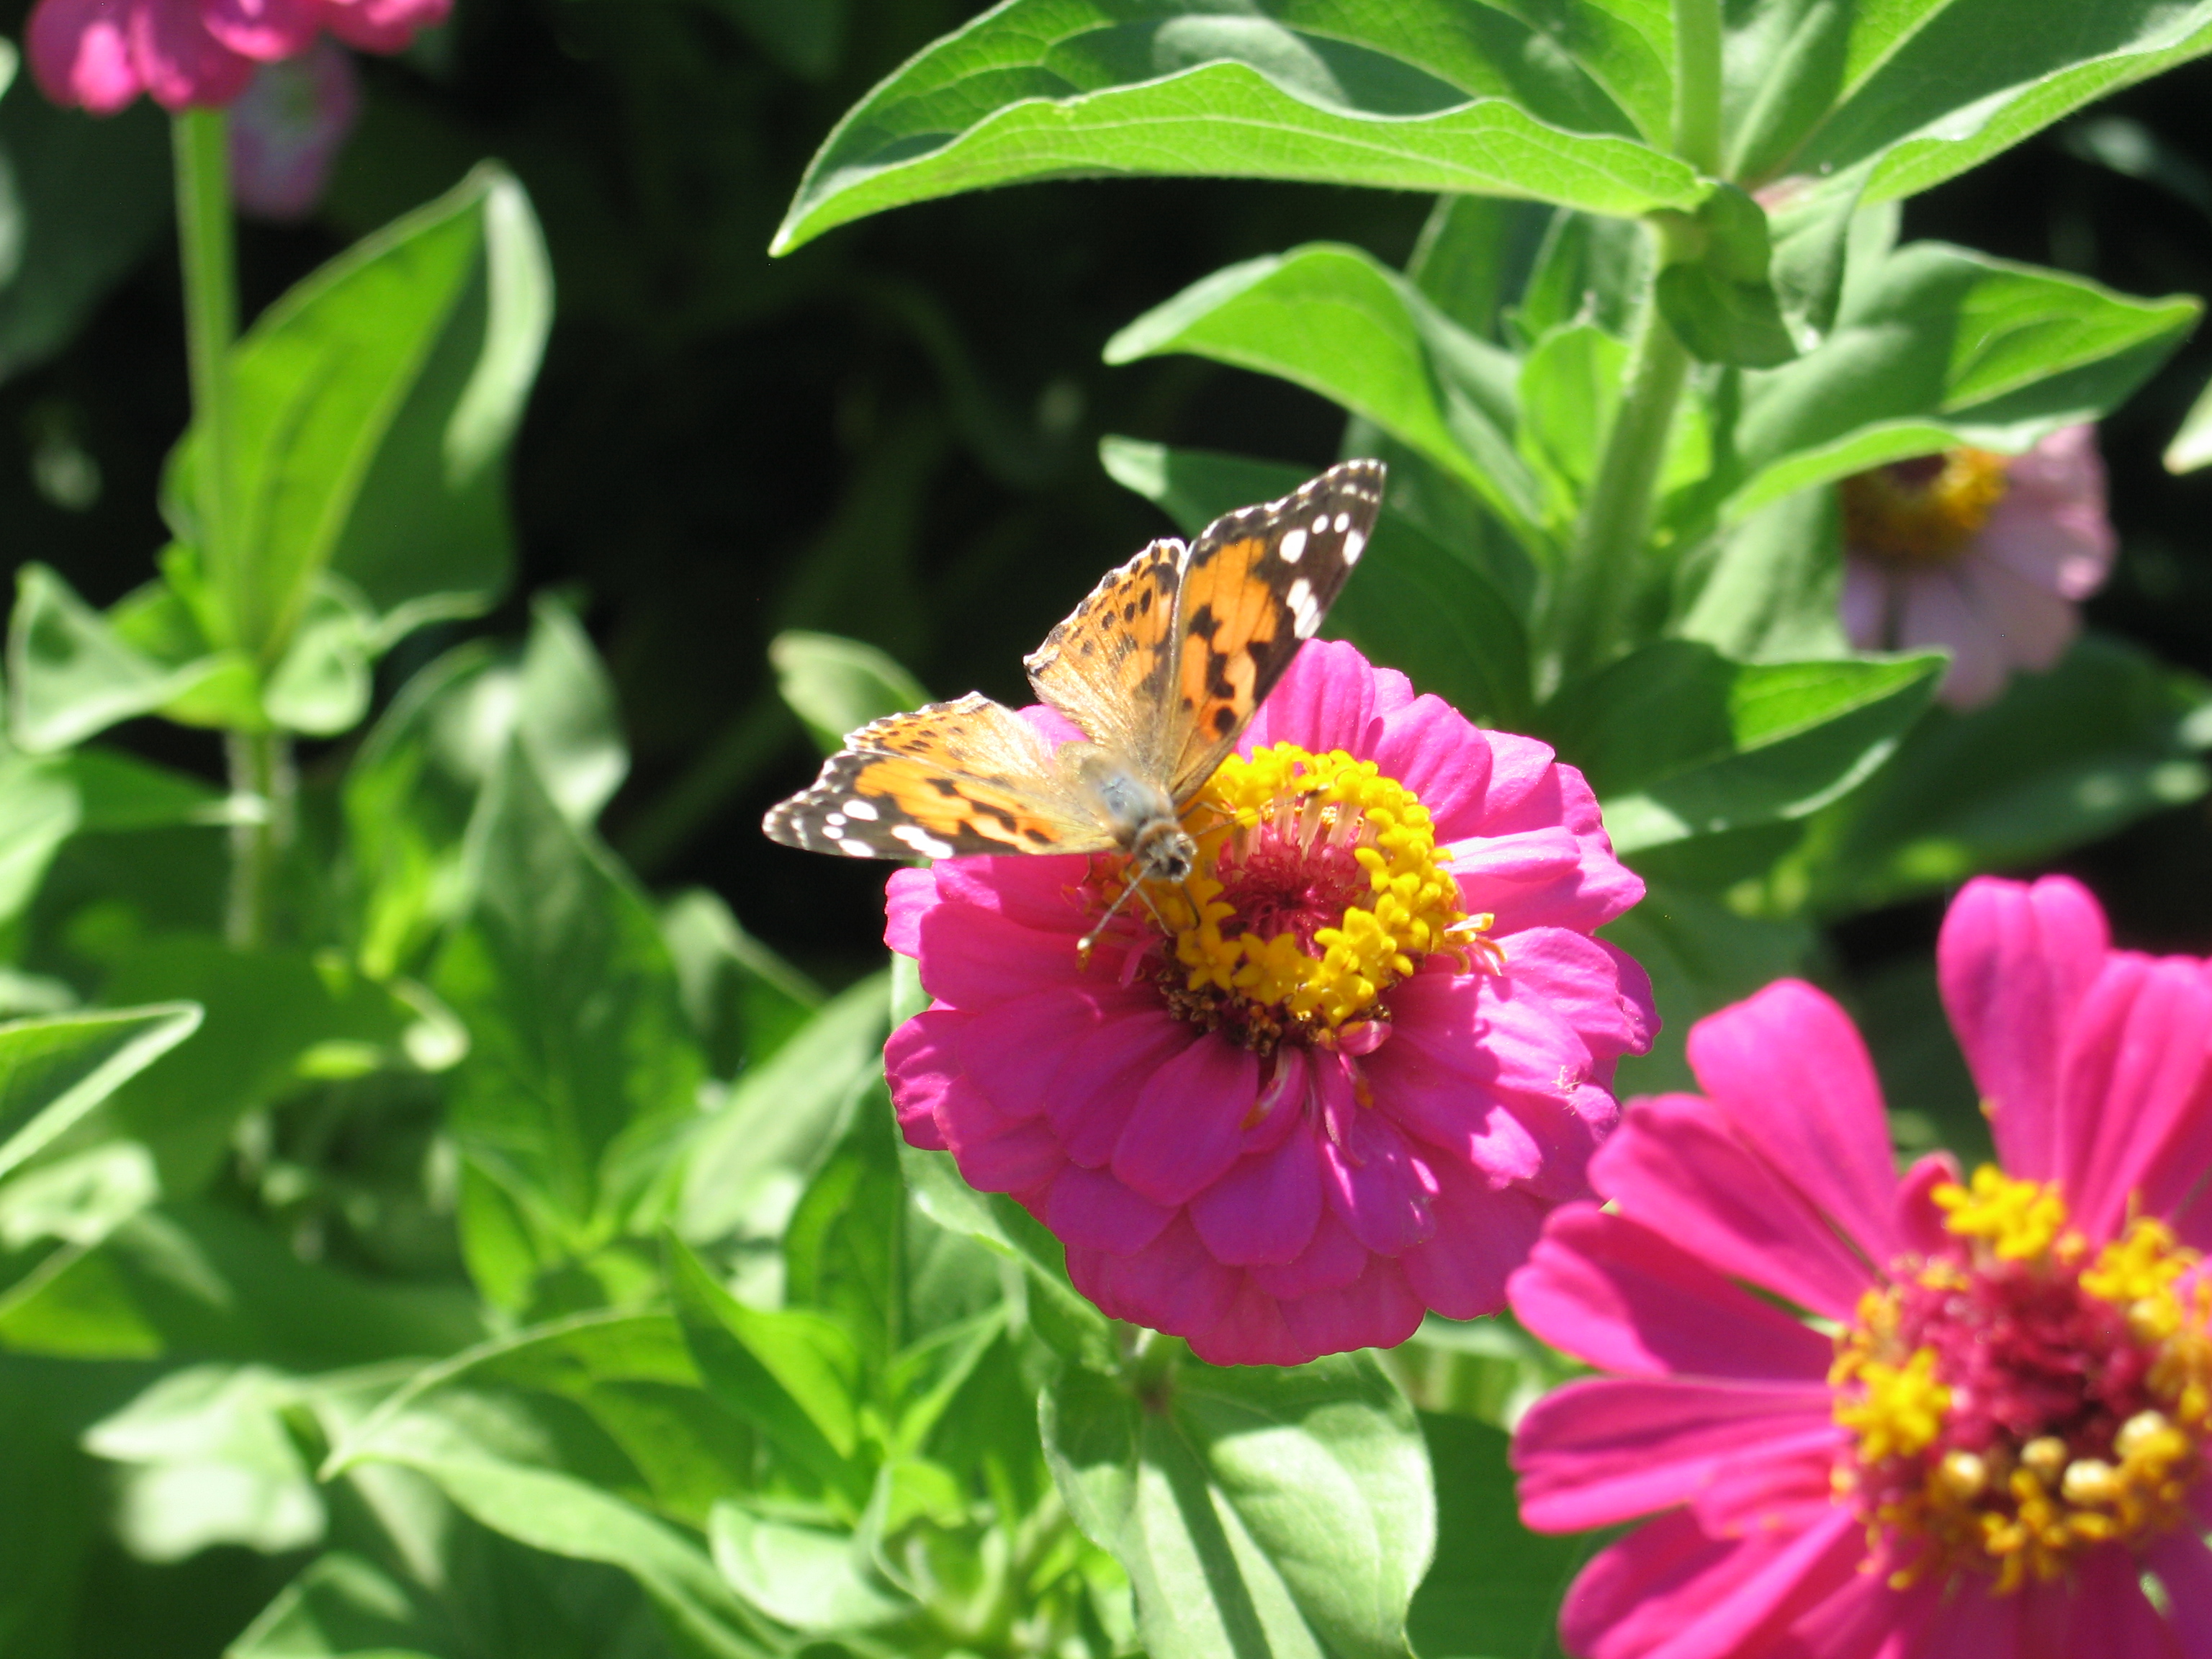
(46, 799)
(2192, 446)
(583, 1068)
(1942, 346)
(2062, 758)
(763, 1141)
(1474, 254)
(745, 1000)
(1920, 93)
(1701, 956)
(1413, 605)
(836, 686)
(275, 1020)
(844, 1250)
(1772, 589)
(375, 404)
(1495, 1587)
(342, 1607)
(1722, 303)
(208, 1461)
(1258, 1512)
(793, 1375)
(812, 1578)
(54, 1071)
(1588, 269)
(1418, 95)
(501, 1465)
(1570, 392)
(1338, 322)
(1678, 741)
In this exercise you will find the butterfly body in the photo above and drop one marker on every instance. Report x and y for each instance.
(1160, 668)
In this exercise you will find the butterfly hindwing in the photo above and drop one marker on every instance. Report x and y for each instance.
(1108, 667)
(950, 779)
(1256, 586)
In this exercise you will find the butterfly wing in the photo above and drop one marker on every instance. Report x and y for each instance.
(1256, 586)
(953, 779)
(1109, 666)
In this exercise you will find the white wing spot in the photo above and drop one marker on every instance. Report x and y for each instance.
(857, 847)
(1321, 525)
(834, 825)
(1292, 547)
(857, 808)
(1305, 615)
(1343, 522)
(1355, 544)
(922, 841)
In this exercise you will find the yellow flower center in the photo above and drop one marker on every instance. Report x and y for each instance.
(2014, 1399)
(1317, 887)
(1926, 510)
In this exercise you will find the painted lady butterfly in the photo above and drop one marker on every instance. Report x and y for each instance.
(1161, 668)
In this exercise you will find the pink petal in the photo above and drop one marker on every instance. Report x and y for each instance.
(1378, 1309)
(1582, 980)
(1938, 613)
(1607, 1449)
(383, 24)
(181, 63)
(2133, 1075)
(922, 1063)
(1787, 1072)
(2066, 552)
(1624, 1300)
(1674, 1168)
(909, 896)
(2103, 1611)
(1003, 1158)
(1092, 1094)
(1332, 1258)
(1252, 1333)
(2014, 961)
(1037, 892)
(1482, 1235)
(1328, 698)
(969, 956)
(263, 30)
(1919, 1218)
(1015, 1050)
(2184, 1566)
(1378, 1187)
(81, 52)
(1264, 1209)
(2032, 627)
(1442, 756)
(1089, 1208)
(1172, 1284)
(1866, 603)
(1187, 1126)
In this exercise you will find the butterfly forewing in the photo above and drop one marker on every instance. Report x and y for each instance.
(1256, 586)
(953, 779)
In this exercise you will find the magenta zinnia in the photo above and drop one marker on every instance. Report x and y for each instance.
(1338, 1078)
(101, 54)
(1983, 1433)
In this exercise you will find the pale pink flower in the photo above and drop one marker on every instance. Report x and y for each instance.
(2001, 1428)
(101, 54)
(1986, 556)
(1350, 1097)
(287, 129)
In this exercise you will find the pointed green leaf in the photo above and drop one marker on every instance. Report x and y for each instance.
(1261, 1513)
(836, 685)
(53, 1070)
(1414, 94)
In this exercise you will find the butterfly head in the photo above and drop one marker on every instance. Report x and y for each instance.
(1163, 850)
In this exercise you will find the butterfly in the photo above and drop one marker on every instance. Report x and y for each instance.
(1161, 668)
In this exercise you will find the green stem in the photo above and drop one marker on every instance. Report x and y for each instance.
(207, 243)
(1604, 566)
(1697, 135)
(261, 773)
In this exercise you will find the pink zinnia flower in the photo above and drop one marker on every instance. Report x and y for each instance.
(1986, 556)
(286, 131)
(101, 54)
(1353, 1091)
(2000, 1427)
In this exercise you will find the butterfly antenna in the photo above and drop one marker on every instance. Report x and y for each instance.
(1083, 946)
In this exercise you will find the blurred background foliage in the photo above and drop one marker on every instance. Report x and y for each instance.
(892, 435)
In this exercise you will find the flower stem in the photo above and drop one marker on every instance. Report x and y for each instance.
(1603, 572)
(207, 244)
(1603, 569)
(261, 770)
